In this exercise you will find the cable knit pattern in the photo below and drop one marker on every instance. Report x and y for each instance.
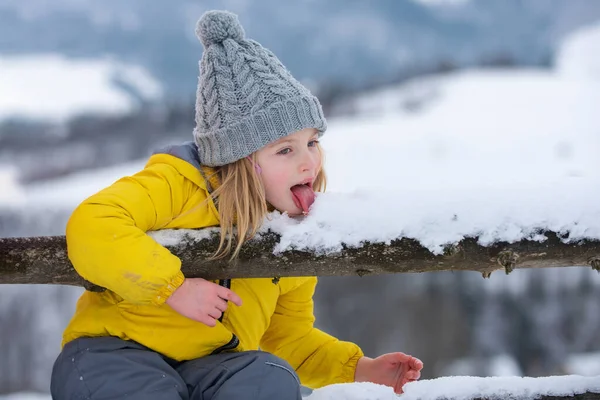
(246, 98)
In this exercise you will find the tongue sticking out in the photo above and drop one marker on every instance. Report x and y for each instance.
(303, 196)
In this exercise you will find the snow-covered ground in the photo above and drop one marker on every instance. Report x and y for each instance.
(497, 154)
(55, 88)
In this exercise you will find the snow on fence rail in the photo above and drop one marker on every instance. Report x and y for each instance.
(569, 387)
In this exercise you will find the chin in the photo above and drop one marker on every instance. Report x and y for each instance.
(291, 211)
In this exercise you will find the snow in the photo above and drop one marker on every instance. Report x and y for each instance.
(140, 79)
(12, 193)
(354, 391)
(464, 388)
(587, 364)
(54, 88)
(73, 189)
(579, 55)
(169, 237)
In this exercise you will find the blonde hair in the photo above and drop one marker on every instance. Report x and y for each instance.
(242, 204)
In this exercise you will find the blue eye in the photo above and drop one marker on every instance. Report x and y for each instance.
(313, 143)
(284, 151)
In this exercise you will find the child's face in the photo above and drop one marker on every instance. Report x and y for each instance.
(290, 161)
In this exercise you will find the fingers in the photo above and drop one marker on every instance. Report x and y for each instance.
(227, 294)
(221, 305)
(411, 371)
(208, 320)
(398, 386)
(397, 357)
(415, 363)
(412, 375)
(215, 313)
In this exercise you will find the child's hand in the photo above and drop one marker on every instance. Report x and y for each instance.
(201, 300)
(392, 369)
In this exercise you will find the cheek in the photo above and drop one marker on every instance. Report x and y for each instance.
(275, 184)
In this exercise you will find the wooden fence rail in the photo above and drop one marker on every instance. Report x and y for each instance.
(43, 260)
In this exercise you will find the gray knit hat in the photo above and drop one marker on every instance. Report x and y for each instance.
(246, 98)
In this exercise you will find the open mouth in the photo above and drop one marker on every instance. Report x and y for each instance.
(303, 195)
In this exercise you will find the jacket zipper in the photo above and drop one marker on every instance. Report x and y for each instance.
(234, 342)
(226, 283)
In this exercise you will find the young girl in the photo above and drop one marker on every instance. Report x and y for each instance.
(154, 334)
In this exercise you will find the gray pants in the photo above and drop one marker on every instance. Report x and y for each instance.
(111, 368)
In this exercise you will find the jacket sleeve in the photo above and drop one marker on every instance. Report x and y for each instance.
(107, 241)
(318, 358)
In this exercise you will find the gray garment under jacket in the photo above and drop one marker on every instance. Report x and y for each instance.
(111, 368)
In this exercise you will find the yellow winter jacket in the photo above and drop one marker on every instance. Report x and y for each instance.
(108, 245)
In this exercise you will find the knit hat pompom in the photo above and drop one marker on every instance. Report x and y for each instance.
(216, 26)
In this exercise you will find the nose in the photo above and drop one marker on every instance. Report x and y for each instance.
(309, 161)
